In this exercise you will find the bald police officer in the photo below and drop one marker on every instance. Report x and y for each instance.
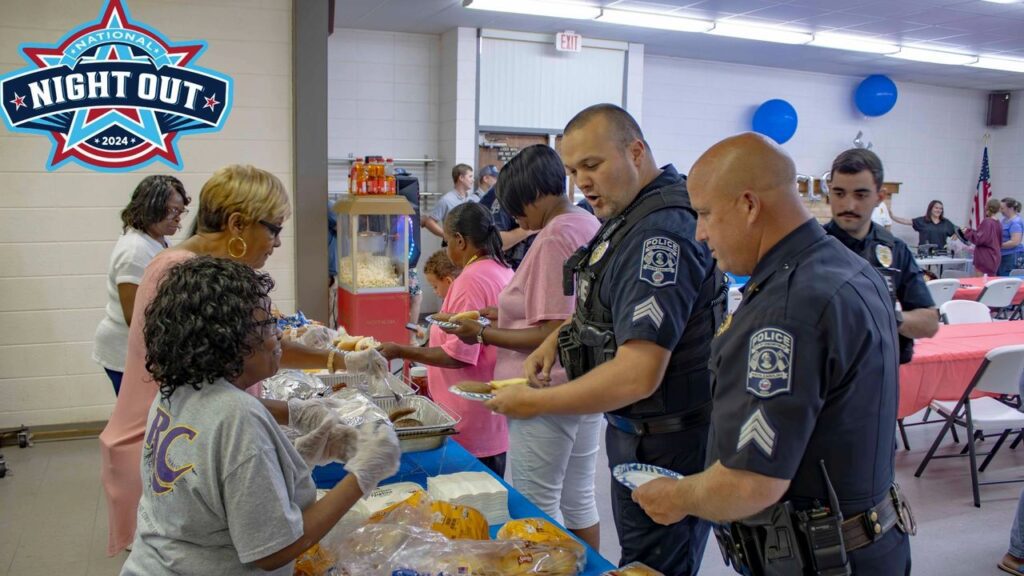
(637, 346)
(855, 190)
(805, 385)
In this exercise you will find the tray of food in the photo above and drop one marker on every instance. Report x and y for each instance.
(419, 423)
(340, 380)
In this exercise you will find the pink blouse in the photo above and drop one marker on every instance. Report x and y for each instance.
(481, 432)
(535, 293)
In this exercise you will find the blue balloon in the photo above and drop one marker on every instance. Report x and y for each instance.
(876, 95)
(775, 119)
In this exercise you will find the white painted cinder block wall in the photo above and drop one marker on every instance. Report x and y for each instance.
(931, 141)
(57, 228)
(408, 96)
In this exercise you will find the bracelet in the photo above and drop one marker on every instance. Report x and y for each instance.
(480, 334)
(330, 359)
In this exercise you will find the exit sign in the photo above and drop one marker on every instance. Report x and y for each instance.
(568, 41)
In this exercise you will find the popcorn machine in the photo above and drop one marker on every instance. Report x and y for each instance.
(373, 266)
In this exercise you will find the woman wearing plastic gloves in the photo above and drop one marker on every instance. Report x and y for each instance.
(225, 492)
(475, 246)
(241, 212)
(553, 456)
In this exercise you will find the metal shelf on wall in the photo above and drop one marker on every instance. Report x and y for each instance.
(425, 162)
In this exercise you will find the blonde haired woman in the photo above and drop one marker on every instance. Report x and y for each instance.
(242, 210)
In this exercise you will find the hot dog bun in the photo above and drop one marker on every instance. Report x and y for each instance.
(467, 315)
(499, 384)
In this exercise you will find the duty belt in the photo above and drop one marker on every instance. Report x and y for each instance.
(872, 524)
(662, 424)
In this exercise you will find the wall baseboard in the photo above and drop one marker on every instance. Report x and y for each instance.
(54, 432)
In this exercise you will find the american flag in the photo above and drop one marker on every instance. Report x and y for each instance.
(983, 191)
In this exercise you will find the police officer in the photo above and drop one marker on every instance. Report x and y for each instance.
(637, 346)
(805, 385)
(855, 191)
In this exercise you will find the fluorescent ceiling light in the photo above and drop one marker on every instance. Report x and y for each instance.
(756, 32)
(651, 20)
(1003, 1)
(1005, 64)
(854, 43)
(934, 56)
(537, 8)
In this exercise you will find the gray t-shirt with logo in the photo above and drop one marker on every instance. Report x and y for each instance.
(446, 203)
(221, 486)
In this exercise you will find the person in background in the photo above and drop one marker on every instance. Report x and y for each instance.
(474, 246)
(241, 213)
(441, 272)
(153, 214)
(854, 191)
(933, 228)
(986, 240)
(880, 215)
(553, 456)
(1011, 249)
(209, 336)
(462, 192)
(515, 241)
(485, 185)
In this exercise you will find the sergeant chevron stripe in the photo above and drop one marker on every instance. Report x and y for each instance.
(649, 309)
(757, 430)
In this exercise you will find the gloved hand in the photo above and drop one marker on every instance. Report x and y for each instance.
(307, 415)
(377, 455)
(365, 361)
(332, 441)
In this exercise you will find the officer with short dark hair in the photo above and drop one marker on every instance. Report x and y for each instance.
(637, 346)
(855, 190)
(804, 375)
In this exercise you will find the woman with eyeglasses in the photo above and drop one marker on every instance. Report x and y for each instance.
(151, 216)
(225, 492)
(241, 213)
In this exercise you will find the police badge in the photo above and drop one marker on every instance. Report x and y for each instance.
(598, 252)
(884, 255)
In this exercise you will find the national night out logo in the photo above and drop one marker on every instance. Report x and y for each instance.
(114, 95)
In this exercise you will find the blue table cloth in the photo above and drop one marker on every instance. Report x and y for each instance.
(450, 458)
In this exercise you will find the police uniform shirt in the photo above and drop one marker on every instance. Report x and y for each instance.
(910, 287)
(806, 370)
(650, 285)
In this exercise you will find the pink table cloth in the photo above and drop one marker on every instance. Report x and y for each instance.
(970, 289)
(944, 365)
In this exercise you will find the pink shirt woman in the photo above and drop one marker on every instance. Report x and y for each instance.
(481, 432)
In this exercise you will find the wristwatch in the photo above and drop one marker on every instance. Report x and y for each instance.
(480, 334)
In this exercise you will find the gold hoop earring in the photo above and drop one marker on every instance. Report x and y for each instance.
(245, 248)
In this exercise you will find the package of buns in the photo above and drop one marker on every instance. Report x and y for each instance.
(316, 561)
(539, 531)
(452, 520)
(633, 569)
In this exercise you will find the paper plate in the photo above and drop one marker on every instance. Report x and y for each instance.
(634, 475)
(451, 325)
(478, 396)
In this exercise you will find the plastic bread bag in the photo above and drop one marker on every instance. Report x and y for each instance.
(541, 531)
(452, 520)
(508, 558)
(317, 561)
(288, 384)
(356, 408)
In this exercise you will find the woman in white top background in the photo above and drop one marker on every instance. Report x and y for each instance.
(153, 214)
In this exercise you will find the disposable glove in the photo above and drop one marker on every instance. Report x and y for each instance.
(377, 455)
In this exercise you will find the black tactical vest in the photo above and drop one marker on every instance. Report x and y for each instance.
(590, 339)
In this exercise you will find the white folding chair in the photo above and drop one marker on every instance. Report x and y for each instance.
(955, 274)
(943, 290)
(998, 294)
(964, 312)
(999, 373)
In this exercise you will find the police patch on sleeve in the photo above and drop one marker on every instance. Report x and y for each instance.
(770, 363)
(660, 262)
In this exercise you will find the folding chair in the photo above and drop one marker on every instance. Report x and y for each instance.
(955, 274)
(964, 312)
(998, 294)
(943, 290)
(999, 373)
